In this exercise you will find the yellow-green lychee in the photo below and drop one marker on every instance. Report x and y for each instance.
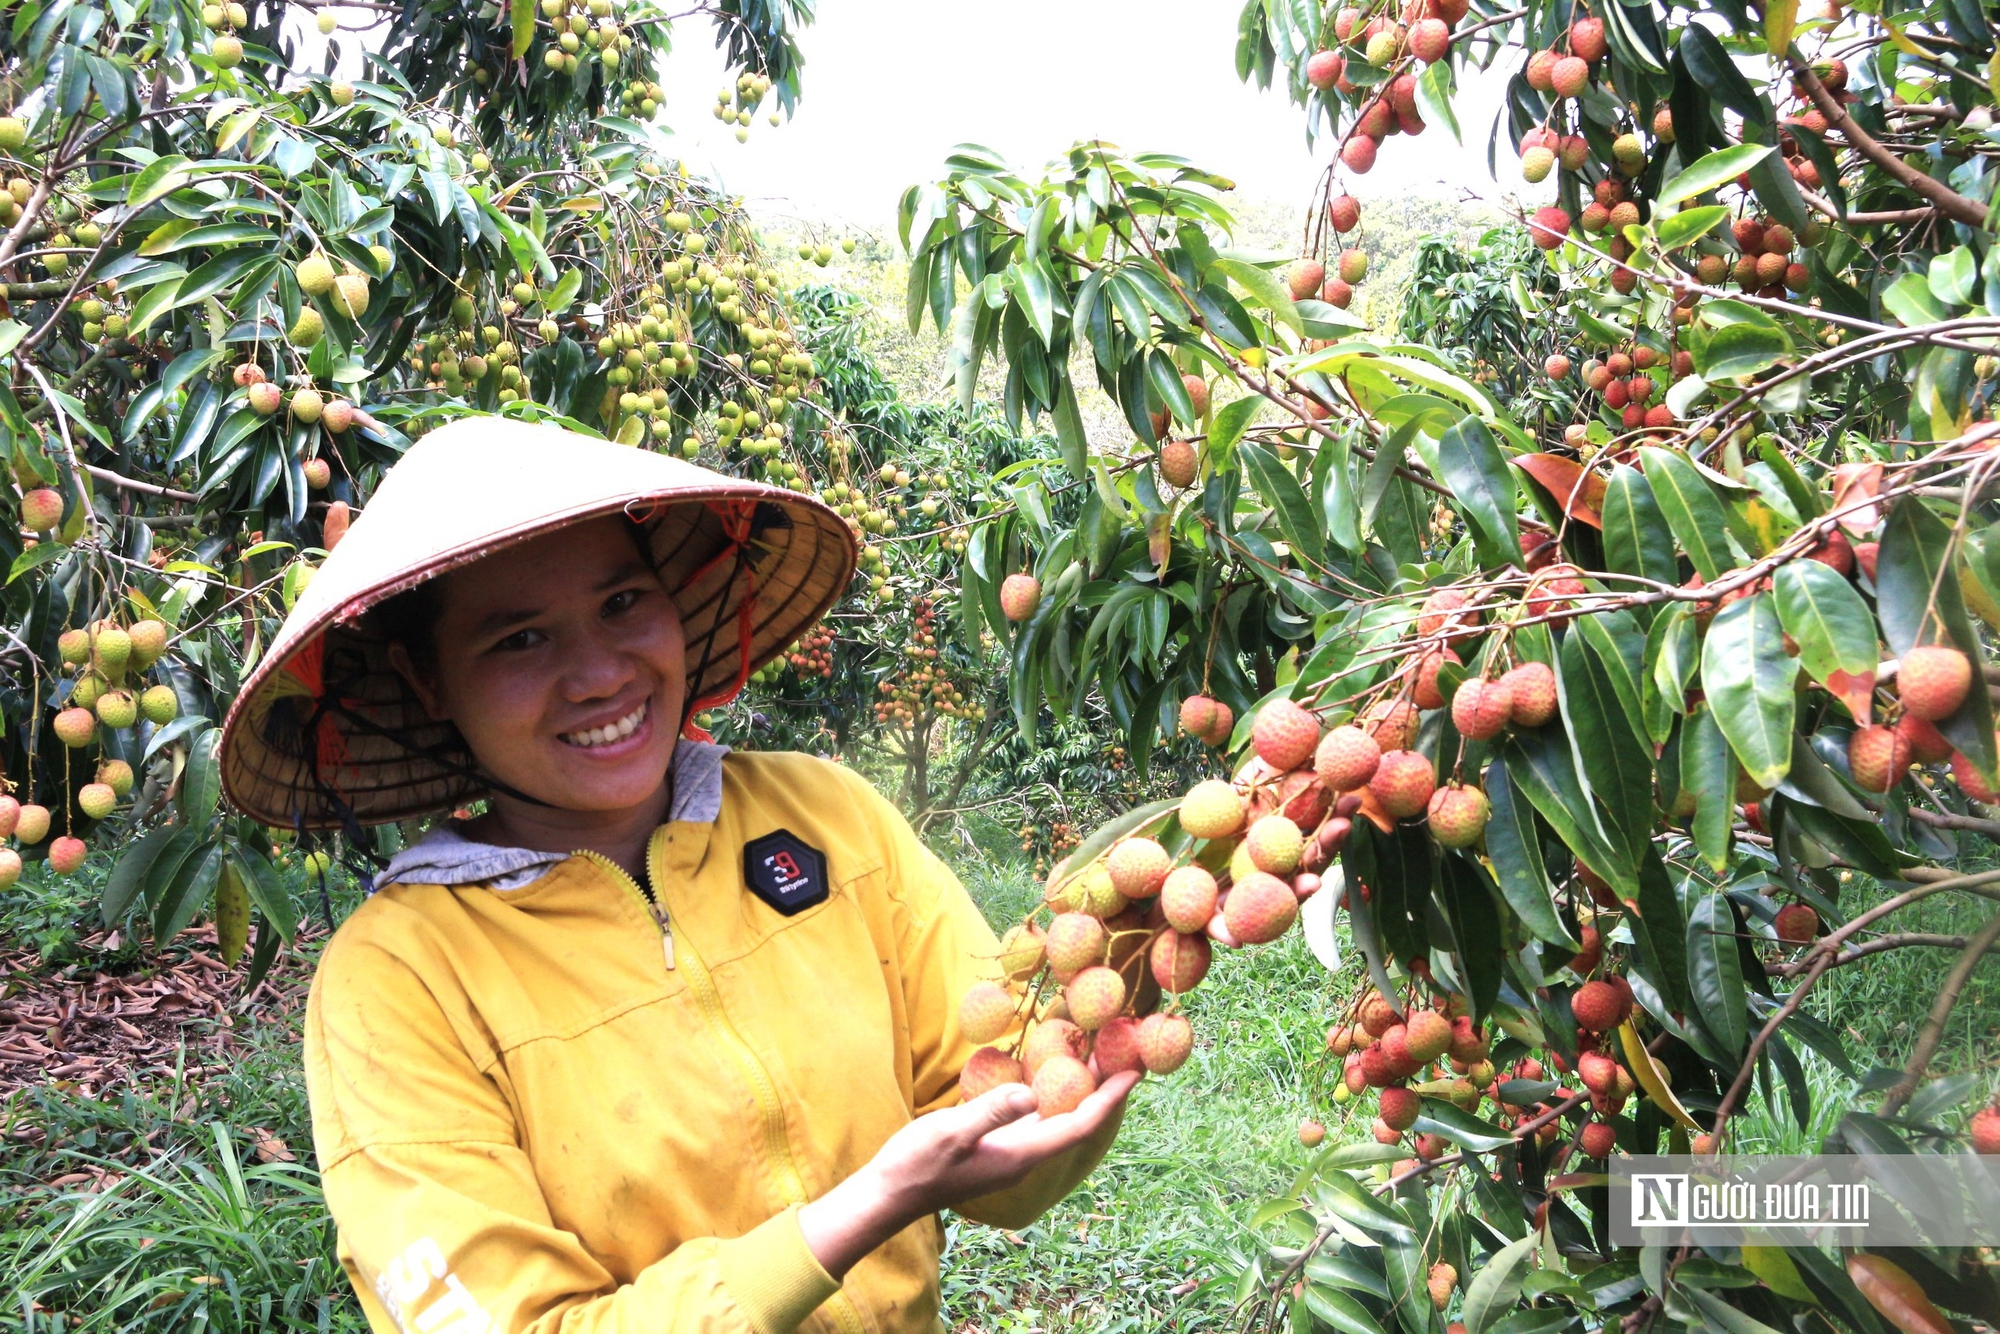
(1211, 809)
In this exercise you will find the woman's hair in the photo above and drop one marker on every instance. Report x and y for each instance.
(410, 619)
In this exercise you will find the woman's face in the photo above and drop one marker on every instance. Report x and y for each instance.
(561, 661)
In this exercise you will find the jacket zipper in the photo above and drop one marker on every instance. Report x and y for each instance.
(762, 1091)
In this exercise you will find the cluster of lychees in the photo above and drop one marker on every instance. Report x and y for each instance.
(813, 654)
(928, 686)
(1384, 41)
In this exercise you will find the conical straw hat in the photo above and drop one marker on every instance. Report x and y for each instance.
(325, 731)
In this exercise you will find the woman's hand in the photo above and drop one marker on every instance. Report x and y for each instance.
(946, 1158)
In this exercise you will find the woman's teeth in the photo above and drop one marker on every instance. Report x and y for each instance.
(605, 735)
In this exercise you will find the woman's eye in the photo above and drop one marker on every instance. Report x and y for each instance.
(516, 642)
(622, 601)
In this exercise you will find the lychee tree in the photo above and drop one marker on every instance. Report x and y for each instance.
(1612, 702)
(250, 252)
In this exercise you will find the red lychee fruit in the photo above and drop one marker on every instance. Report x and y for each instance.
(1864, 558)
(1458, 815)
(1284, 734)
(1570, 76)
(1431, 40)
(1393, 724)
(1549, 226)
(1403, 783)
(1598, 1007)
(1984, 1130)
(1377, 1015)
(1095, 996)
(1180, 463)
(1468, 1044)
(1427, 1035)
(1207, 719)
(1051, 1038)
(1180, 960)
(1585, 961)
(1358, 153)
(31, 824)
(66, 854)
(1598, 1072)
(1347, 758)
(1424, 691)
(1556, 366)
(1598, 1139)
(1877, 757)
(1532, 691)
(986, 1012)
(1927, 744)
(1344, 213)
(1338, 294)
(987, 1069)
(1187, 898)
(1073, 942)
(1311, 1133)
(1970, 781)
(1324, 69)
(1481, 709)
(1442, 610)
(75, 727)
(1304, 277)
(246, 374)
(1116, 1047)
(1165, 1041)
(1138, 867)
(1260, 908)
(1540, 71)
(1796, 924)
(1211, 809)
(1020, 594)
(1932, 681)
(1586, 38)
(1061, 1085)
(1399, 1107)
(41, 509)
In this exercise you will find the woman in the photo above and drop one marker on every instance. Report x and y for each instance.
(667, 1037)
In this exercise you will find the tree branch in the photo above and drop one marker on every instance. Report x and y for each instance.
(1949, 201)
(1933, 1030)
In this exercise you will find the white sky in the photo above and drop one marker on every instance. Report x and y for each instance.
(891, 85)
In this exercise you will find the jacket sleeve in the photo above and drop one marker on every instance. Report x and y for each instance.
(946, 946)
(443, 1226)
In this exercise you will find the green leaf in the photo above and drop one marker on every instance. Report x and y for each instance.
(159, 299)
(1345, 1196)
(1911, 300)
(1276, 484)
(1689, 225)
(1712, 172)
(183, 896)
(128, 877)
(1718, 1314)
(267, 889)
(45, 553)
(1953, 278)
(1833, 627)
(1265, 289)
(1615, 765)
(201, 782)
(1514, 846)
(162, 176)
(1739, 349)
(1070, 435)
(1748, 680)
(521, 19)
(1715, 970)
(1541, 763)
(1496, 1285)
(1708, 774)
(1477, 472)
(1462, 1128)
(1781, 18)
(1691, 509)
(1339, 1310)
(1231, 420)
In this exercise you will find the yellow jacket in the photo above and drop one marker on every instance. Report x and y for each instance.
(539, 1109)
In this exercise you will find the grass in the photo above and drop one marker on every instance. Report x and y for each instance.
(196, 1232)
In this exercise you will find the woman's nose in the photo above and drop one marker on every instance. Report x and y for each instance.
(596, 668)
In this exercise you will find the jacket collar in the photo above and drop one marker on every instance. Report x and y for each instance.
(445, 857)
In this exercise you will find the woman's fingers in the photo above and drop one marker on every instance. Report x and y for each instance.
(1043, 1137)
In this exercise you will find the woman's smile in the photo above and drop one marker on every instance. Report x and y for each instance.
(614, 739)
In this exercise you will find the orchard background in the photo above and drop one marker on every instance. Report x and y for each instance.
(1212, 553)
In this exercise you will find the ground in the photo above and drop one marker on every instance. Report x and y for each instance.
(156, 1167)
